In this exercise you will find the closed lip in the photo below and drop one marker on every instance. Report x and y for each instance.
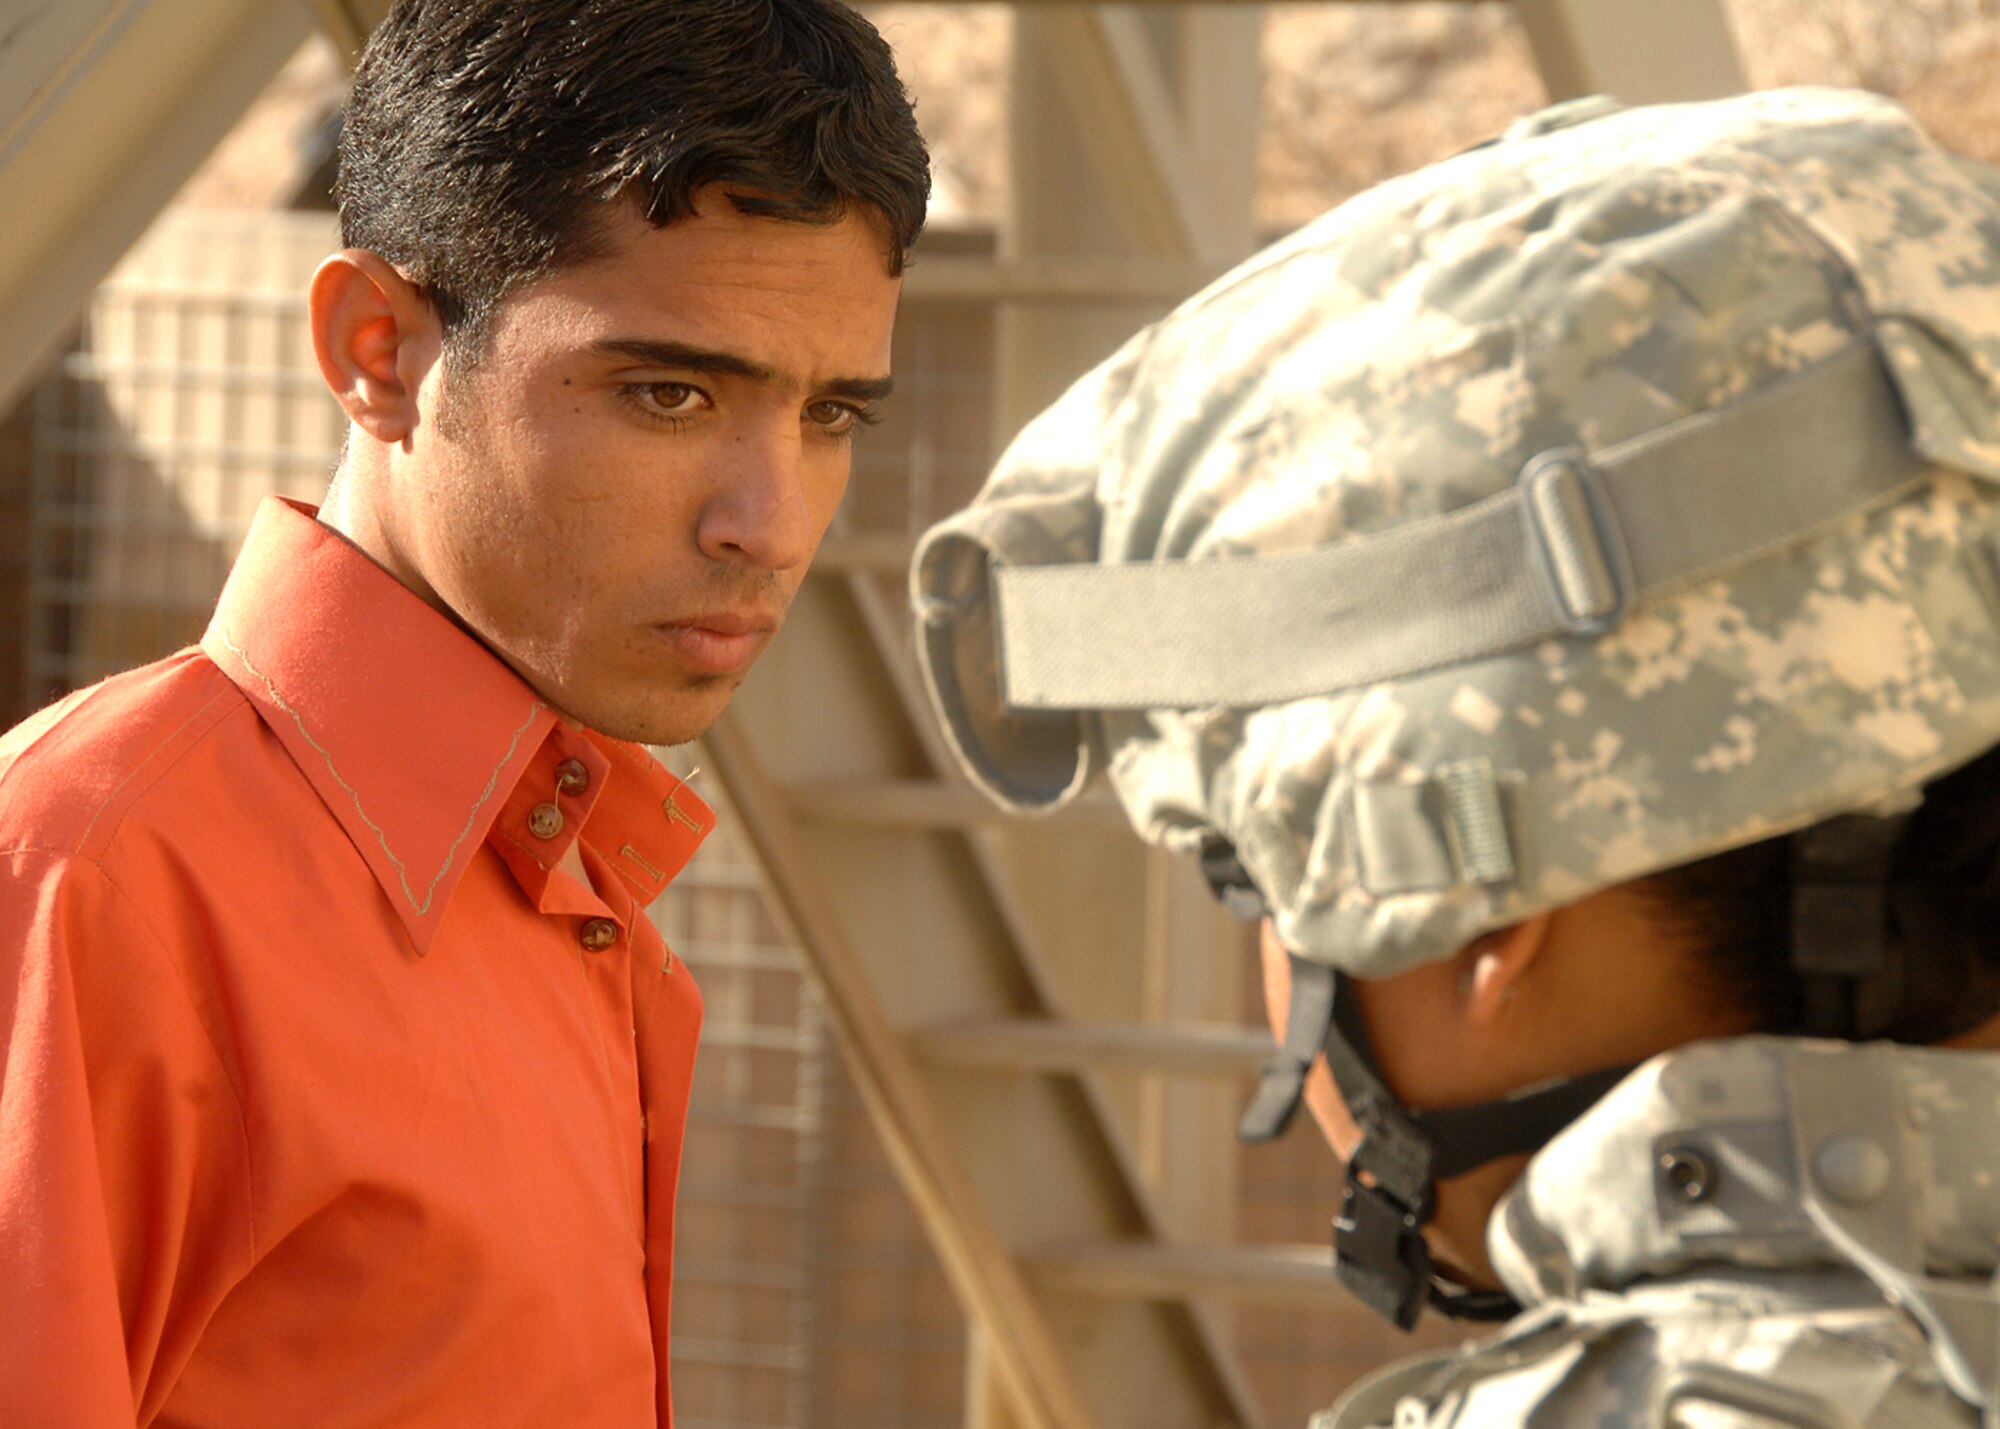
(727, 622)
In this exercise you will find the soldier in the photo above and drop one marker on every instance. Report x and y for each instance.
(1559, 593)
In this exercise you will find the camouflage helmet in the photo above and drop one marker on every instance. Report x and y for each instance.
(1607, 496)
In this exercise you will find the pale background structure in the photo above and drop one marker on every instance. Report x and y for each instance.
(961, 1149)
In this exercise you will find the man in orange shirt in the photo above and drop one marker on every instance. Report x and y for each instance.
(344, 1075)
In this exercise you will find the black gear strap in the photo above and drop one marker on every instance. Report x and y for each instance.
(1526, 1120)
(1465, 1137)
(1455, 1302)
(1844, 949)
(1230, 881)
(1282, 1080)
(1404, 1152)
(1379, 1251)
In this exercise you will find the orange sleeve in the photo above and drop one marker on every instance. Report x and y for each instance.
(124, 1184)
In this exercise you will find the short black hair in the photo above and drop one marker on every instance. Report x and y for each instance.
(1944, 909)
(481, 137)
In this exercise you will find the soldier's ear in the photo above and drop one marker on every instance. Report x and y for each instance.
(375, 335)
(1496, 964)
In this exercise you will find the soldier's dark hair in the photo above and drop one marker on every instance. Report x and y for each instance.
(484, 138)
(1944, 910)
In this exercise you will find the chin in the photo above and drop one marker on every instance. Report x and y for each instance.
(652, 730)
(684, 717)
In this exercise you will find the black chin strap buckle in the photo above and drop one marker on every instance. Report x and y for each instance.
(1379, 1251)
(1379, 1248)
(1378, 1238)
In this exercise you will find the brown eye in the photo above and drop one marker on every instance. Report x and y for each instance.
(669, 399)
(839, 419)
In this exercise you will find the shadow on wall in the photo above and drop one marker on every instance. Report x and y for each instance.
(138, 460)
(123, 572)
(103, 565)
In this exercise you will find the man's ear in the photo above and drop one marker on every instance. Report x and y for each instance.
(1495, 963)
(375, 336)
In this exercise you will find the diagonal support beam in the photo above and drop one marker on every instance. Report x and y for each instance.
(1051, 1045)
(1300, 1275)
(909, 927)
(918, 1142)
(347, 23)
(1129, 120)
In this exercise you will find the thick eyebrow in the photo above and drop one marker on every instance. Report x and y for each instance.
(862, 389)
(655, 352)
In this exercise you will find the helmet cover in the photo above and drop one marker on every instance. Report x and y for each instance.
(1591, 277)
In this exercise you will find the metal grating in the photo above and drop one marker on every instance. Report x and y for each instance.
(748, 1224)
(189, 394)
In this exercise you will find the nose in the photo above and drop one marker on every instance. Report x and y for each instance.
(759, 513)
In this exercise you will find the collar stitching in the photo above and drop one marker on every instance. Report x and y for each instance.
(422, 906)
(633, 855)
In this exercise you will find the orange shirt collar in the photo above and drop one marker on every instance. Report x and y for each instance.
(411, 731)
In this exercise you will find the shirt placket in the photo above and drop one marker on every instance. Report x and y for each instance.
(608, 947)
(551, 809)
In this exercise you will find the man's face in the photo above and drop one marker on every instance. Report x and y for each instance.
(622, 496)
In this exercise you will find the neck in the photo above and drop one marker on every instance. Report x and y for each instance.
(1985, 1037)
(356, 507)
(347, 507)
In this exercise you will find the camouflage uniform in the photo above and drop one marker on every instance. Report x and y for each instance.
(1763, 1225)
(1596, 347)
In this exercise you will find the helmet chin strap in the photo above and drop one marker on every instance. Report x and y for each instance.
(1843, 949)
(1379, 1249)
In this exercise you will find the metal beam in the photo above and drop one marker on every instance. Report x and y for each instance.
(1183, 4)
(1058, 279)
(1127, 119)
(1045, 1045)
(107, 108)
(928, 804)
(348, 23)
(1637, 51)
(1062, 938)
(42, 51)
(1103, 175)
(918, 1142)
(1138, 107)
(1273, 1274)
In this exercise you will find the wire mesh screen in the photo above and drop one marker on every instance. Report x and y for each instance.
(749, 1221)
(892, 1335)
(805, 1294)
(188, 395)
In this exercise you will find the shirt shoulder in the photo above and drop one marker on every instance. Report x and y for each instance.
(1707, 1352)
(70, 773)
